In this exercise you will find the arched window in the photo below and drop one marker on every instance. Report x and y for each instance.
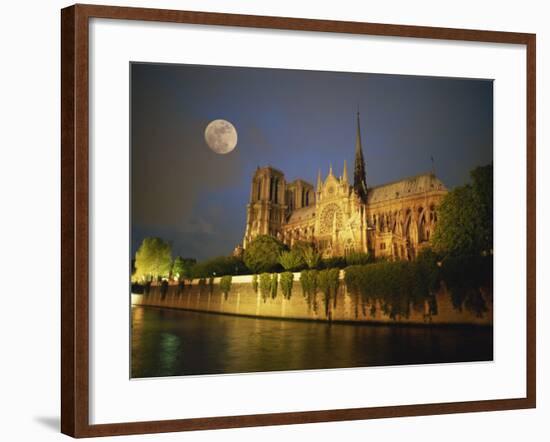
(423, 228)
(290, 198)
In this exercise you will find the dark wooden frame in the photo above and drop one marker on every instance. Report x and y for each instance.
(74, 220)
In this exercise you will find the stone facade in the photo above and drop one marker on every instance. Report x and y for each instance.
(394, 220)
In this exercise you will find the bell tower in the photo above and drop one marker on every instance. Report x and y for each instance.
(266, 207)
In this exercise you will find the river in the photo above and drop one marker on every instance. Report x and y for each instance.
(176, 342)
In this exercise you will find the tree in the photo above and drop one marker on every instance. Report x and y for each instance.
(301, 246)
(265, 285)
(465, 217)
(262, 254)
(357, 258)
(153, 259)
(219, 266)
(312, 257)
(181, 268)
(482, 184)
(291, 260)
(286, 281)
(225, 285)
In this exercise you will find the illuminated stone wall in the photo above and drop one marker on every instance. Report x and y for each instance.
(243, 300)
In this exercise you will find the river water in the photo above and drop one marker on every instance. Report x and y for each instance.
(175, 342)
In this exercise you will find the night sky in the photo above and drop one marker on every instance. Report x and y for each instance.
(295, 121)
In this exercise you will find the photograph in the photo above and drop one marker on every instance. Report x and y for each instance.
(307, 220)
(267, 221)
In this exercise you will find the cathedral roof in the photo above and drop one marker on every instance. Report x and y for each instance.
(301, 215)
(426, 182)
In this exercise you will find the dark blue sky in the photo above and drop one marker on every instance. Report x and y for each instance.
(296, 121)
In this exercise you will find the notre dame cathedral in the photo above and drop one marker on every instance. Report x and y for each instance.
(394, 220)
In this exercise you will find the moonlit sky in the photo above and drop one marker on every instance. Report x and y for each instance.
(296, 121)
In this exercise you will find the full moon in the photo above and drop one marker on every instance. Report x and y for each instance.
(221, 136)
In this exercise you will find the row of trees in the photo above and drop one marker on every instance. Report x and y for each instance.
(153, 260)
(267, 254)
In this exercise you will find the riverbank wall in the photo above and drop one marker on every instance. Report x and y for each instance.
(245, 298)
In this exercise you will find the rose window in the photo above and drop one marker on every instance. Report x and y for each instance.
(331, 217)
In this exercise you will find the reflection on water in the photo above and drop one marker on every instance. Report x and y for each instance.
(176, 342)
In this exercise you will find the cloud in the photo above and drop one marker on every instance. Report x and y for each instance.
(196, 225)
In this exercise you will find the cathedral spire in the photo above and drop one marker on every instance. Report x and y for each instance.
(319, 182)
(359, 174)
(330, 169)
(345, 173)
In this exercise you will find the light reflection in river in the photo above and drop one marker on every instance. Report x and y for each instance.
(176, 342)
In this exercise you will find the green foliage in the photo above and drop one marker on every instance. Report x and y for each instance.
(274, 284)
(265, 285)
(300, 246)
(426, 278)
(153, 260)
(202, 285)
(219, 266)
(476, 304)
(312, 258)
(286, 281)
(466, 277)
(482, 183)
(357, 258)
(308, 280)
(465, 217)
(262, 254)
(335, 262)
(181, 268)
(372, 310)
(395, 285)
(400, 285)
(334, 283)
(291, 260)
(163, 288)
(255, 282)
(211, 284)
(457, 226)
(225, 284)
(432, 304)
(328, 281)
(379, 281)
(147, 288)
(138, 289)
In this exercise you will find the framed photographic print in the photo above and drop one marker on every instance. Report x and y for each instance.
(270, 220)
